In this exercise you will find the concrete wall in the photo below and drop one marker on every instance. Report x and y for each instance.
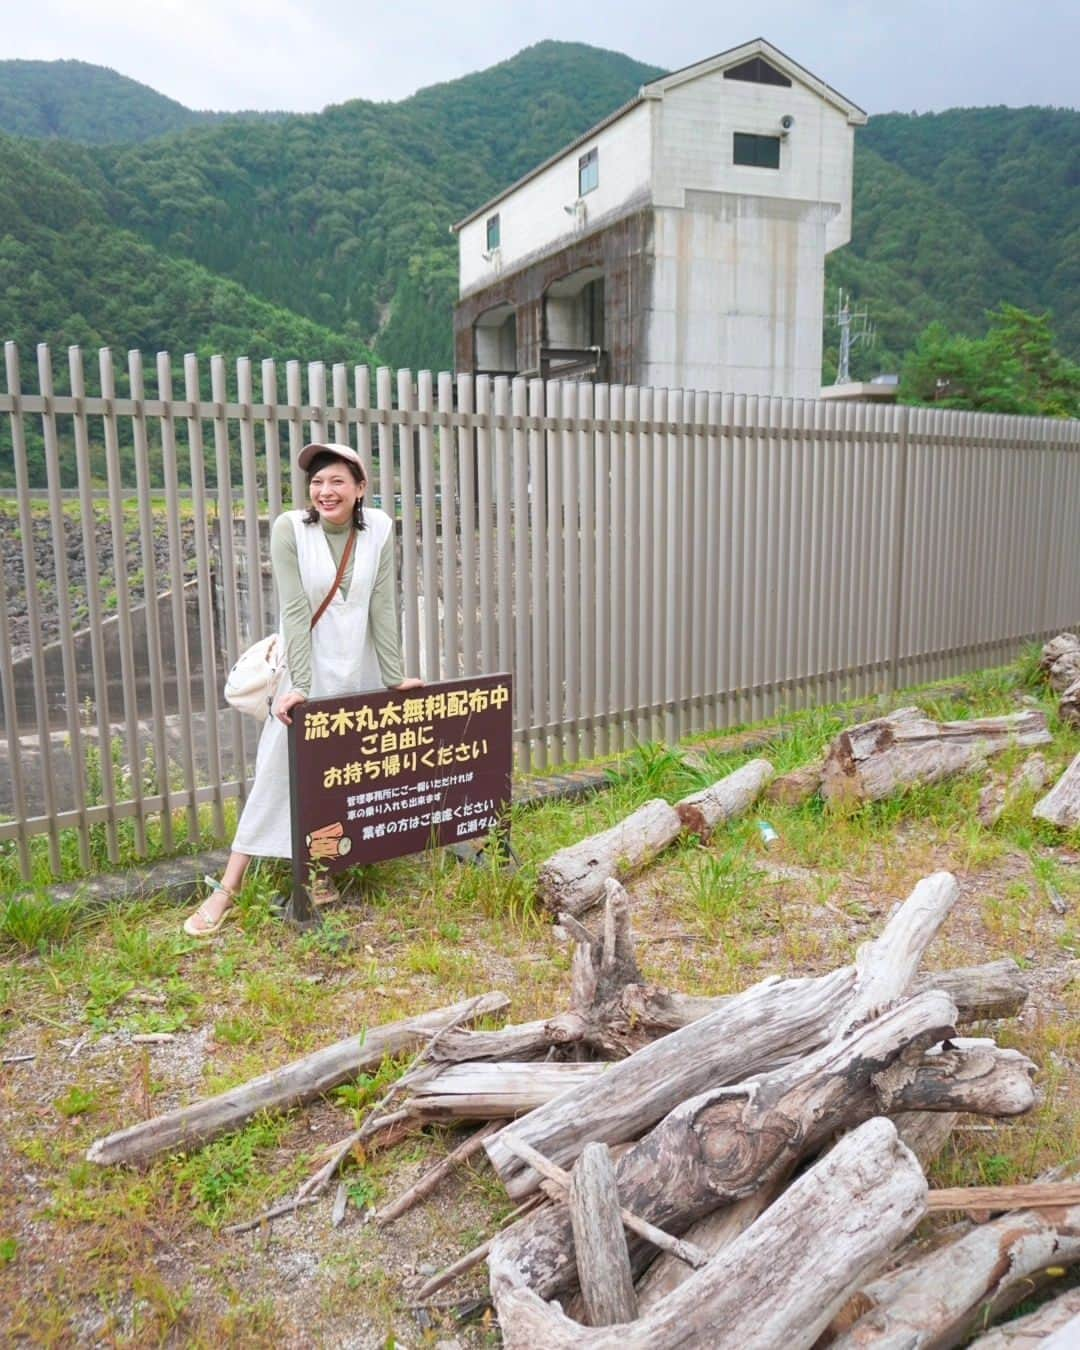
(532, 219)
(693, 136)
(736, 297)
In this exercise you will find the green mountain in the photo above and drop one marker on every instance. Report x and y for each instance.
(69, 275)
(340, 219)
(75, 101)
(957, 211)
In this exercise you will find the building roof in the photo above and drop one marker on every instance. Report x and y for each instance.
(656, 89)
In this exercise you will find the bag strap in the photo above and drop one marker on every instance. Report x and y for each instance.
(337, 580)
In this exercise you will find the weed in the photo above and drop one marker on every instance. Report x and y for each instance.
(367, 1088)
(721, 884)
(9, 1249)
(225, 1171)
(362, 1191)
(37, 923)
(77, 1102)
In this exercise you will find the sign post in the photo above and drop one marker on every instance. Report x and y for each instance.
(380, 775)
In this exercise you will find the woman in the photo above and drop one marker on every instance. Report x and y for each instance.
(354, 645)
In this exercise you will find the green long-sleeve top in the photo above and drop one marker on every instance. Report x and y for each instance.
(296, 610)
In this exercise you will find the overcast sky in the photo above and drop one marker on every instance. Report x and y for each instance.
(906, 55)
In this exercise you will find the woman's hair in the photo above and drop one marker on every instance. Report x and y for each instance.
(323, 460)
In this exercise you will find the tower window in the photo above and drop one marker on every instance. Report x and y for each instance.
(757, 71)
(763, 152)
(493, 232)
(588, 172)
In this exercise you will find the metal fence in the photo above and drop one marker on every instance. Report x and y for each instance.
(647, 562)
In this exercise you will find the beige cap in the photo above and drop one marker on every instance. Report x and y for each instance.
(341, 451)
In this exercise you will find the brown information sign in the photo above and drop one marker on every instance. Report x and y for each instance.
(380, 775)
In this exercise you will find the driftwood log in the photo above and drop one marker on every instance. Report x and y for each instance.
(603, 1261)
(281, 1089)
(572, 880)
(830, 1228)
(874, 760)
(999, 794)
(1054, 1325)
(924, 1132)
(722, 1145)
(1061, 805)
(798, 785)
(957, 1288)
(730, 796)
(769, 1024)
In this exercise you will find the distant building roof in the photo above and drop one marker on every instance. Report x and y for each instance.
(656, 89)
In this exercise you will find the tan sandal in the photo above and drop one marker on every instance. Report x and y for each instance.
(201, 924)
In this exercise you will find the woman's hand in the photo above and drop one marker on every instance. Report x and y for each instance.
(410, 682)
(287, 702)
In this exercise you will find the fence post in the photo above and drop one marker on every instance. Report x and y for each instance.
(899, 530)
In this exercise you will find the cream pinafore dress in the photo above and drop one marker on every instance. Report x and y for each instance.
(343, 661)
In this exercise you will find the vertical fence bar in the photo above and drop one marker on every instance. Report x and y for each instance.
(555, 607)
(63, 596)
(317, 420)
(699, 504)
(585, 497)
(659, 526)
(673, 567)
(802, 455)
(615, 705)
(271, 441)
(294, 396)
(14, 744)
(635, 619)
(95, 614)
(571, 602)
(644, 693)
(784, 588)
(339, 411)
(384, 398)
(144, 489)
(429, 522)
(486, 534)
(523, 665)
(504, 545)
(227, 545)
(33, 607)
(451, 625)
(768, 453)
(467, 490)
(754, 577)
(207, 643)
(714, 580)
(407, 471)
(605, 581)
(737, 534)
(898, 532)
(684, 593)
(118, 531)
(362, 401)
(538, 532)
(177, 596)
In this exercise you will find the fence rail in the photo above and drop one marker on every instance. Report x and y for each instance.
(647, 562)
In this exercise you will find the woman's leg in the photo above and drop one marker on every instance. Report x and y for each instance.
(208, 914)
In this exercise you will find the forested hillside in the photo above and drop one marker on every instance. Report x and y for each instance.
(340, 219)
(75, 101)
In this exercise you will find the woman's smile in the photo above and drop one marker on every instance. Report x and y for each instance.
(334, 495)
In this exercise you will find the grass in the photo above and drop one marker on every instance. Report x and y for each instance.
(76, 984)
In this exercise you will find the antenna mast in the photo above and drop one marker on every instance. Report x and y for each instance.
(855, 328)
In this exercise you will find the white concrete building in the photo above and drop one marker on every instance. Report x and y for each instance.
(679, 243)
